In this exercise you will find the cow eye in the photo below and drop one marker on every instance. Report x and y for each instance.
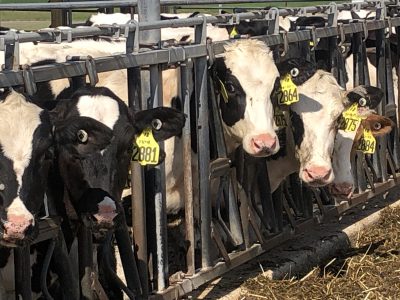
(362, 102)
(230, 88)
(156, 124)
(377, 126)
(82, 136)
(294, 72)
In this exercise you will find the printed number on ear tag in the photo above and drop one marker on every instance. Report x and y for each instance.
(367, 142)
(279, 118)
(146, 151)
(350, 119)
(287, 93)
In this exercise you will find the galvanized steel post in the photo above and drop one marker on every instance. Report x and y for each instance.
(149, 10)
(203, 146)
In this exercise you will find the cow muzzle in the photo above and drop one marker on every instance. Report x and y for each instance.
(16, 227)
(264, 145)
(342, 190)
(317, 176)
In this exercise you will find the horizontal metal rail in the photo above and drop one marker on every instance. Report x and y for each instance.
(169, 55)
(117, 3)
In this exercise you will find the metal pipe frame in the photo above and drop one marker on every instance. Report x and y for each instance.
(199, 53)
(127, 3)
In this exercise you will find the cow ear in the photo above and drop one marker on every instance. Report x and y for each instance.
(82, 135)
(164, 121)
(365, 96)
(299, 69)
(379, 125)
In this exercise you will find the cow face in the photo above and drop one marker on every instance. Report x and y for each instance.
(345, 148)
(314, 119)
(245, 77)
(94, 133)
(25, 158)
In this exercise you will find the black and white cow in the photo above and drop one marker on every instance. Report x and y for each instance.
(94, 131)
(25, 158)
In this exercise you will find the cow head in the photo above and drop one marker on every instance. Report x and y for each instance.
(245, 77)
(94, 132)
(314, 117)
(345, 148)
(25, 158)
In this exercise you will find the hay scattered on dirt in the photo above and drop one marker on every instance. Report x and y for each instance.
(370, 270)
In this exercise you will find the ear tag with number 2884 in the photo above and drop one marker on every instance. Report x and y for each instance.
(287, 93)
(146, 151)
(367, 143)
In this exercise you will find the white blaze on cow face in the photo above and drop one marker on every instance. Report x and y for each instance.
(314, 120)
(16, 140)
(251, 63)
(101, 108)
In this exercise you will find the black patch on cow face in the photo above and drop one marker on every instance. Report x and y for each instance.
(297, 128)
(9, 179)
(305, 69)
(234, 109)
(372, 95)
(34, 180)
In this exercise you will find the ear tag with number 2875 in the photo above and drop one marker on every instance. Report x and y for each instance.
(287, 93)
(351, 119)
(146, 151)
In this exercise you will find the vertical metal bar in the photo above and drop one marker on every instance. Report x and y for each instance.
(149, 10)
(139, 224)
(85, 250)
(216, 124)
(137, 179)
(186, 69)
(22, 273)
(203, 147)
(380, 154)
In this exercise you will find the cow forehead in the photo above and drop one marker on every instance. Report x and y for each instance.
(99, 107)
(19, 120)
(320, 96)
(250, 61)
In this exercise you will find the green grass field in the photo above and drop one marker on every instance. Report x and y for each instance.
(32, 20)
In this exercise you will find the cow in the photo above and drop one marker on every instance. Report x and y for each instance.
(345, 148)
(309, 138)
(90, 139)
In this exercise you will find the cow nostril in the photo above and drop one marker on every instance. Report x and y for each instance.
(327, 175)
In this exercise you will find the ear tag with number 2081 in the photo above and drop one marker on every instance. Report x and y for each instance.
(146, 151)
(287, 93)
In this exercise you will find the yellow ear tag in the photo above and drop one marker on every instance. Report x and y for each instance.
(311, 44)
(233, 33)
(146, 151)
(367, 142)
(279, 117)
(287, 94)
(223, 91)
(350, 119)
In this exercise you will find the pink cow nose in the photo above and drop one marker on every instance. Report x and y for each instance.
(317, 173)
(263, 142)
(16, 226)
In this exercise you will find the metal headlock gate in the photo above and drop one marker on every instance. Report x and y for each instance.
(248, 229)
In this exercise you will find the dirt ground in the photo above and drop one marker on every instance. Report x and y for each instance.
(370, 270)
